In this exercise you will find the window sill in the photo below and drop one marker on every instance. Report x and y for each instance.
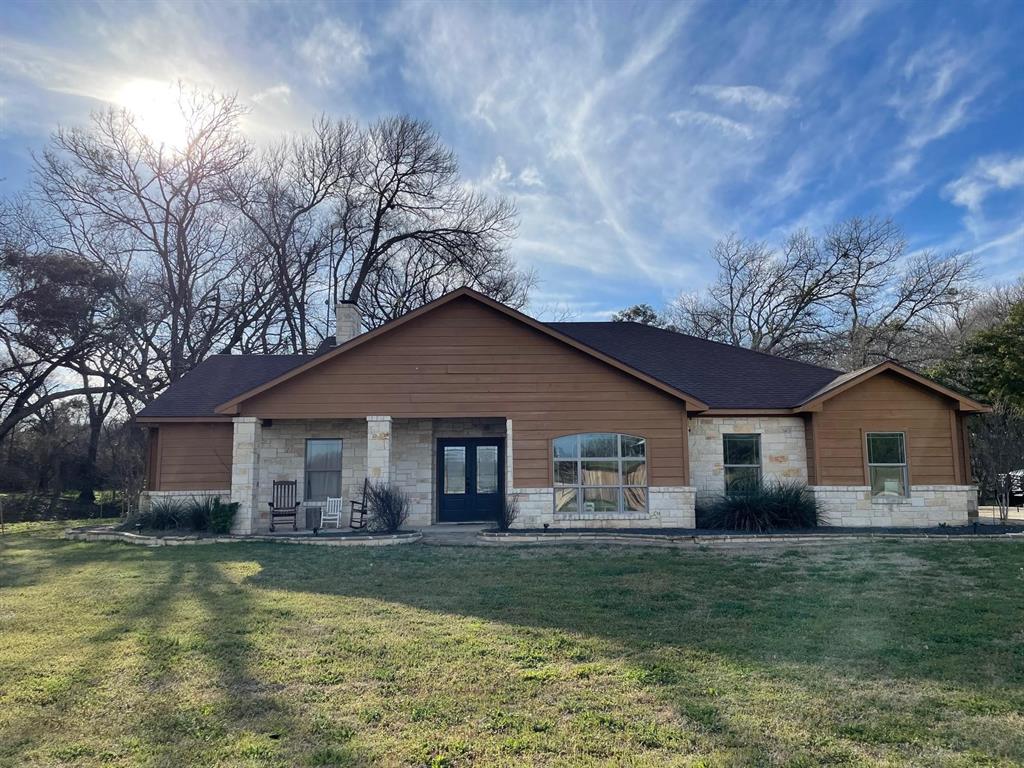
(883, 499)
(563, 516)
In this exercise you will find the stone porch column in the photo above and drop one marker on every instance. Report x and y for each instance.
(245, 473)
(378, 448)
(509, 475)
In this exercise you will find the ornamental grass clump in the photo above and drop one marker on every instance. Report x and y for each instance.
(508, 511)
(767, 507)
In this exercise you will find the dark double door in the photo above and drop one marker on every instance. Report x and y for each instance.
(470, 479)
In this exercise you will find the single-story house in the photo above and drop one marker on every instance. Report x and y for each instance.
(587, 424)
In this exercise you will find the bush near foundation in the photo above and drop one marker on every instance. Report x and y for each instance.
(766, 507)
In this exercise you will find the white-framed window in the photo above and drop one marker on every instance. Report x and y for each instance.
(600, 472)
(742, 462)
(323, 469)
(887, 463)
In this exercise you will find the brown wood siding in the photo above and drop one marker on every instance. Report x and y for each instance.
(194, 457)
(812, 459)
(886, 403)
(467, 360)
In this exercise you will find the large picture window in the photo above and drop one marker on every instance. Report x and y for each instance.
(887, 463)
(742, 463)
(600, 472)
(323, 469)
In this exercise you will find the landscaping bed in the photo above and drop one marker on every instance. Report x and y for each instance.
(981, 530)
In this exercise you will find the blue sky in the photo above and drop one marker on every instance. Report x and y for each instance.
(630, 135)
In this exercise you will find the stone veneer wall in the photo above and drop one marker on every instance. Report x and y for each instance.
(146, 498)
(283, 457)
(783, 448)
(668, 507)
(927, 506)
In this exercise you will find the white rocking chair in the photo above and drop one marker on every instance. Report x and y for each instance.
(331, 513)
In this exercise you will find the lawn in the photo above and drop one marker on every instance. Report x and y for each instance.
(263, 654)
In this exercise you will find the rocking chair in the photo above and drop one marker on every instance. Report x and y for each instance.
(285, 503)
(357, 519)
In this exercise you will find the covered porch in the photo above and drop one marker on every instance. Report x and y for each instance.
(452, 469)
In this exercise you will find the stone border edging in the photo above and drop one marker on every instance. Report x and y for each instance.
(723, 541)
(127, 537)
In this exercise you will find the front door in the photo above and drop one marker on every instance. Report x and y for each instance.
(470, 479)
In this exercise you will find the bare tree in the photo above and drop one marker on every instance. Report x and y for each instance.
(849, 298)
(408, 229)
(997, 452)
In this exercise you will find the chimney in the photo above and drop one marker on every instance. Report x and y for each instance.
(349, 322)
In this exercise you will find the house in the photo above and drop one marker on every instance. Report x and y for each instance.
(465, 400)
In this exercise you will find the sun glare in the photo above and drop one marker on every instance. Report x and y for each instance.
(156, 110)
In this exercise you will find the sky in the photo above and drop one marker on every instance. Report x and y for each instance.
(630, 135)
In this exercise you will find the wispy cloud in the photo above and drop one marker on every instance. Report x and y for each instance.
(997, 172)
(334, 50)
(684, 117)
(750, 96)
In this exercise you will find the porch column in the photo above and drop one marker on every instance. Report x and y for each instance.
(245, 473)
(378, 448)
(509, 475)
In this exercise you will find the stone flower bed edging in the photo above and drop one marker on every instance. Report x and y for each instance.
(695, 541)
(361, 540)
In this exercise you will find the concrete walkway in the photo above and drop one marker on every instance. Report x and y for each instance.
(453, 534)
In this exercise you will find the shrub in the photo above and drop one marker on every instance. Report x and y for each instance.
(198, 512)
(771, 506)
(162, 515)
(507, 512)
(388, 507)
(222, 516)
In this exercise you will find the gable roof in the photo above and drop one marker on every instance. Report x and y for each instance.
(853, 378)
(706, 375)
(216, 379)
(721, 375)
(231, 405)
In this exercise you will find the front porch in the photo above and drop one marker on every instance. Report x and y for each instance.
(327, 456)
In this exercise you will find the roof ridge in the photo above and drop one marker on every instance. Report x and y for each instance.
(702, 339)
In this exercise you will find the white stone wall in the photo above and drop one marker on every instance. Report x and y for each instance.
(146, 498)
(412, 467)
(245, 473)
(283, 457)
(783, 449)
(926, 506)
(668, 507)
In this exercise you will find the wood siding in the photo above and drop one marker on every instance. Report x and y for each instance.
(193, 457)
(888, 403)
(467, 360)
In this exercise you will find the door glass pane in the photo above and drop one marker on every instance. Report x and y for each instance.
(601, 445)
(566, 447)
(600, 499)
(885, 448)
(633, 446)
(634, 499)
(454, 469)
(600, 472)
(565, 473)
(487, 469)
(742, 449)
(565, 500)
(888, 480)
(634, 473)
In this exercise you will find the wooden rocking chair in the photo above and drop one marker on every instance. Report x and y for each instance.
(358, 517)
(285, 503)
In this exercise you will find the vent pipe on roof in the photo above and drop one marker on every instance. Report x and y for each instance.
(349, 322)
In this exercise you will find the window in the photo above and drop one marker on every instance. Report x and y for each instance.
(323, 469)
(487, 469)
(742, 463)
(455, 469)
(600, 472)
(887, 463)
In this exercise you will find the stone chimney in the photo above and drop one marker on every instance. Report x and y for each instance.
(349, 322)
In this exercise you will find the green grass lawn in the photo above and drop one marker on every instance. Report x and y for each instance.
(263, 654)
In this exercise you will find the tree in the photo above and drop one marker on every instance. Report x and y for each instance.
(849, 298)
(644, 314)
(997, 452)
(409, 230)
(991, 363)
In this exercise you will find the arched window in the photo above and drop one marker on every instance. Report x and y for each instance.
(600, 472)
